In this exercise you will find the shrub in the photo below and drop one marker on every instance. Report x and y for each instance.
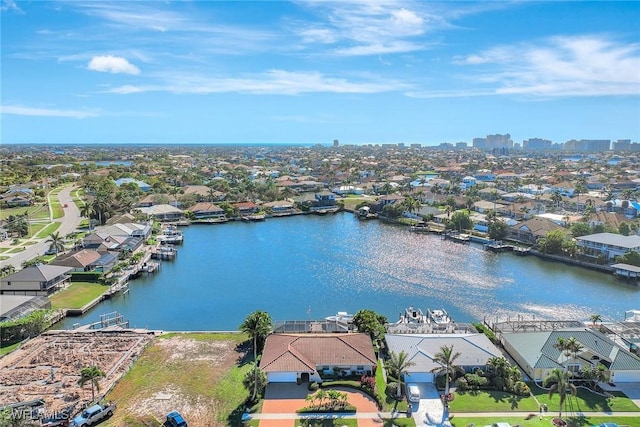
(368, 383)
(521, 388)
(476, 381)
(392, 389)
(313, 386)
(461, 384)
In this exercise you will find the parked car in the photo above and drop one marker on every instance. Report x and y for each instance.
(59, 419)
(174, 419)
(413, 392)
(94, 414)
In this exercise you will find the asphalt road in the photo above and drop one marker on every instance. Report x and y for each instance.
(68, 224)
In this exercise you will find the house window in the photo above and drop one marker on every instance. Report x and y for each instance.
(360, 367)
(574, 368)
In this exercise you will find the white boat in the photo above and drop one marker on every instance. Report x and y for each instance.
(439, 317)
(341, 317)
(171, 235)
(413, 315)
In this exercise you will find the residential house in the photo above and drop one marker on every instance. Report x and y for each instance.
(204, 193)
(537, 354)
(204, 210)
(77, 260)
(529, 231)
(37, 280)
(475, 351)
(163, 212)
(290, 358)
(280, 207)
(14, 201)
(158, 199)
(609, 245)
(246, 208)
(142, 185)
(324, 200)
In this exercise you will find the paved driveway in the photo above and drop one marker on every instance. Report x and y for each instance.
(429, 411)
(286, 399)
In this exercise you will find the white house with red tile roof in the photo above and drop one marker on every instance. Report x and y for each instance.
(303, 357)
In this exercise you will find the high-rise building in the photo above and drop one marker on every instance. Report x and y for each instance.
(536, 144)
(492, 142)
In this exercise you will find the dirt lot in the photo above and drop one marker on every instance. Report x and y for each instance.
(196, 374)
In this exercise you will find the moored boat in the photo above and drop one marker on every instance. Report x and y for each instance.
(439, 317)
(341, 317)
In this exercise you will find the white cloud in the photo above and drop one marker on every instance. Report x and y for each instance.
(273, 82)
(112, 64)
(561, 66)
(46, 112)
(10, 5)
(369, 28)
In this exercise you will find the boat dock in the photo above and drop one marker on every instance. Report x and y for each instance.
(164, 252)
(457, 237)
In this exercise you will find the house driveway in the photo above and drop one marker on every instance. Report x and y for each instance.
(285, 399)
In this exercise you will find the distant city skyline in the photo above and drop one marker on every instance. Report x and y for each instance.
(307, 72)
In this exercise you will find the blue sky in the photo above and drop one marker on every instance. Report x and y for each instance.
(314, 71)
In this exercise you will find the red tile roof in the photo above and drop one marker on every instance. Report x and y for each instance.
(286, 352)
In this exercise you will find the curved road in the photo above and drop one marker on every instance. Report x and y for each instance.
(68, 224)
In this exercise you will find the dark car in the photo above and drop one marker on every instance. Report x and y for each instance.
(59, 419)
(174, 419)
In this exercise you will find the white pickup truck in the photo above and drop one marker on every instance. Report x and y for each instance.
(94, 414)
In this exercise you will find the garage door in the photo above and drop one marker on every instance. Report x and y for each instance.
(281, 377)
(419, 377)
(627, 377)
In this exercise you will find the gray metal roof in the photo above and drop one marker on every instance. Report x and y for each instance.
(38, 273)
(475, 349)
(613, 239)
(537, 348)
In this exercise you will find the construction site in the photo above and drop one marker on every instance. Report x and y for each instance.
(45, 370)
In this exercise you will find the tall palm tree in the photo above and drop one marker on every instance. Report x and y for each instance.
(91, 375)
(595, 318)
(86, 211)
(257, 325)
(446, 358)
(56, 242)
(397, 364)
(561, 384)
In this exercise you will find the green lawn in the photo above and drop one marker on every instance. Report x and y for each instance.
(77, 295)
(491, 401)
(8, 349)
(49, 229)
(586, 401)
(37, 211)
(545, 421)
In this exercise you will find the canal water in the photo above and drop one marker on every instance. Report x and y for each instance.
(310, 267)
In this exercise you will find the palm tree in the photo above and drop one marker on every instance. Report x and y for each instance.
(446, 358)
(257, 325)
(397, 364)
(595, 318)
(56, 242)
(561, 385)
(86, 211)
(574, 347)
(91, 375)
